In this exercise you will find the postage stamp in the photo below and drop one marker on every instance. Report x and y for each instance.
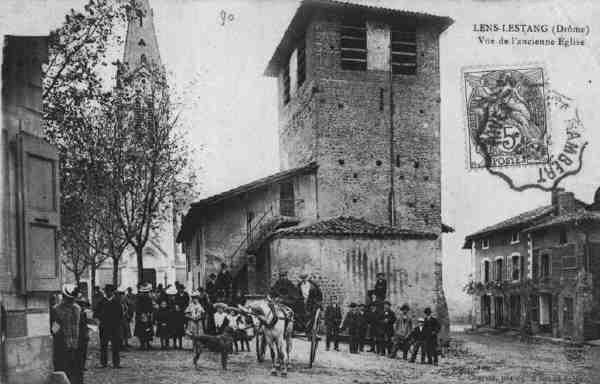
(520, 129)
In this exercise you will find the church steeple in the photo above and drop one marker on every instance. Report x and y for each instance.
(141, 45)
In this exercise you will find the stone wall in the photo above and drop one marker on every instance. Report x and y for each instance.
(341, 118)
(223, 227)
(345, 268)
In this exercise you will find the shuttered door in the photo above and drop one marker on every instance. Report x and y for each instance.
(40, 217)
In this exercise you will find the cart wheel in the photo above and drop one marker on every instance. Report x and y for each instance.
(314, 337)
(260, 347)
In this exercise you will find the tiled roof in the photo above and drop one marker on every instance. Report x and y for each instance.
(576, 217)
(521, 220)
(351, 226)
(304, 12)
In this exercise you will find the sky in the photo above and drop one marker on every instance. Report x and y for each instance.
(231, 108)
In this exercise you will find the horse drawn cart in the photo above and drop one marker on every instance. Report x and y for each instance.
(307, 330)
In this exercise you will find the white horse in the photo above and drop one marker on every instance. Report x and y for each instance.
(277, 323)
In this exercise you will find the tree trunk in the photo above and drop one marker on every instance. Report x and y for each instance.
(92, 277)
(115, 277)
(140, 263)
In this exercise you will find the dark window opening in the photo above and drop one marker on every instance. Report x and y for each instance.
(499, 269)
(286, 199)
(381, 99)
(341, 161)
(378, 162)
(568, 309)
(398, 161)
(535, 268)
(301, 62)
(416, 164)
(354, 200)
(141, 20)
(353, 43)
(545, 266)
(404, 50)
(514, 237)
(143, 59)
(563, 236)
(286, 85)
(340, 105)
(426, 178)
(249, 219)
(355, 175)
(142, 43)
(486, 271)
(516, 265)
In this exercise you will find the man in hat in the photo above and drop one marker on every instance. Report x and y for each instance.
(352, 324)
(417, 337)
(432, 328)
(385, 328)
(110, 314)
(312, 297)
(333, 319)
(380, 289)
(285, 290)
(65, 318)
(402, 329)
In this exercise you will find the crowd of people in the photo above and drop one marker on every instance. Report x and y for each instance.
(170, 313)
(165, 313)
(375, 324)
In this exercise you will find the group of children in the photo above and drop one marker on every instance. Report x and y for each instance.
(170, 324)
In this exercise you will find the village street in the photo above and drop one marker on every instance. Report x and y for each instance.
(472, 359)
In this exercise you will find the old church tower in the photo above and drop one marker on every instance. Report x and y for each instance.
(359, 94)
(163, 264)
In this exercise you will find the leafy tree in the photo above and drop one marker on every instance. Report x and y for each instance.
(151, 157)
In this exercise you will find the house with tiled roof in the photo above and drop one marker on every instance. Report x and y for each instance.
(535, 271)
(359, 191)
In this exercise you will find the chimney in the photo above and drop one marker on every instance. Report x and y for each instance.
(565, 202)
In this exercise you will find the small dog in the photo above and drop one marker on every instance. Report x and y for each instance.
(222, 344)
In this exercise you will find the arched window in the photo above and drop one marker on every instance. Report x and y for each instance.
(141, 19)
(143, 59)
(142, 43)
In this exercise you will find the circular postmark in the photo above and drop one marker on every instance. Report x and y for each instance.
(520, 129)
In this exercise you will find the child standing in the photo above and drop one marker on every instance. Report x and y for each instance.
(162, 324)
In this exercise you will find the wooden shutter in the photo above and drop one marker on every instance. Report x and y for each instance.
(39, 257)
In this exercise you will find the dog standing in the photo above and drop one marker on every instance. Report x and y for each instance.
(222, 344)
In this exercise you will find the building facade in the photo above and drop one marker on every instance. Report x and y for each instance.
(359, 187)
(163, 261)
(535, 271)
(29, 250)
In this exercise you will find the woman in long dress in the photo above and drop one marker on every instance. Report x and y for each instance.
(195, 314)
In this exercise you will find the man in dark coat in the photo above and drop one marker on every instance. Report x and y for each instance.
(432, 328)
(223, 284)
(362, 312)
(211, 288)
(333, 319)
(285, 290)
(417, 338)
(352, 324)
(110, 314)
(312, 297)
(371, 324)
(380, 289)
(387, 325)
